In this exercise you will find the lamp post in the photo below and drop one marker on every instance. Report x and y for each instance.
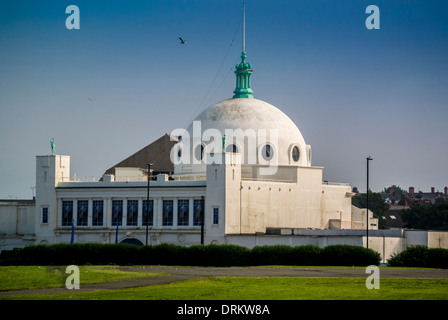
(147, 202)
(369, 158)
(202, 219)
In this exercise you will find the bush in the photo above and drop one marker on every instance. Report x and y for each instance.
(224, 255)
(196, 255)
(420, 256)
(9, 257)
(415, 256)
(307, 255)
(66, 254)
(272, 255)
(167, 254)
(349, 255)
(438, 258)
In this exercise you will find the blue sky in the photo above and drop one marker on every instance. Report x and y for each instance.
(123, 80)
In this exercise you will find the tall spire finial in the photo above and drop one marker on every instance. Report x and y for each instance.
(244, 27)
(244, 69)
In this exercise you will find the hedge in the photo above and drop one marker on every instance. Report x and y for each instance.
(345, 255)
(306, 255)
(196, 255)
(420, 256)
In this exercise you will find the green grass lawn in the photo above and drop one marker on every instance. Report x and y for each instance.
(236, 288)
(41, 277)
(277, 288)
(219, 288)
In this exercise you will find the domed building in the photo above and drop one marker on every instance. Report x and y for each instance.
(240, 173)
(261, 133)
(258, 170)
(257, 130)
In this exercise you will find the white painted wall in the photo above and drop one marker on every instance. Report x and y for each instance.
(438, 239)
(304, 203)
(50, 171)
(8, 218)
(386, 246)
(16, 218)
(336, 204)
(416, 237)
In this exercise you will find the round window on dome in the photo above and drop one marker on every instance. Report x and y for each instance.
(199, 152)
(267, 152)
(232, 148)
(295, 154)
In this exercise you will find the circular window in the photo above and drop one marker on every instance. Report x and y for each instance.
(199, 152)
(232, 148)
(295, 154)
(267, 152)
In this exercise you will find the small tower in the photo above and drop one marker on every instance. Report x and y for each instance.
(243, 70)
(50, 171)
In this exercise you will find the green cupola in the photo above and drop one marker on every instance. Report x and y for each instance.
(243, 69)
(243, 72)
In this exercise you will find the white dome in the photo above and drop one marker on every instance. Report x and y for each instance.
(242, 115)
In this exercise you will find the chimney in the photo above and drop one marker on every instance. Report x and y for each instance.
(445, 191)
(432, 189)
(411, 190)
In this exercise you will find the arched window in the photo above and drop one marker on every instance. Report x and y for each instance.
(267, 152)
(132, 241)
(295, 154)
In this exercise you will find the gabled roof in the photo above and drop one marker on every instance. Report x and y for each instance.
(157, 153)
(393, 219)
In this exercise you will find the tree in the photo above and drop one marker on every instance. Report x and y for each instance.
(426, 216)
(376, 204)
(397, 190)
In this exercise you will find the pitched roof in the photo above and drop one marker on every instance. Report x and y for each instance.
(393, 219)
(157, 153)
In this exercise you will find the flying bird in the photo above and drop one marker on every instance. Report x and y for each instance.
(182, 41)
(90, 99)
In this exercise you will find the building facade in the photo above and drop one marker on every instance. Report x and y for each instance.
(171, 209)
(242, 168)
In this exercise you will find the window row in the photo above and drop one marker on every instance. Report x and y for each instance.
(267, 152)
(79, 212)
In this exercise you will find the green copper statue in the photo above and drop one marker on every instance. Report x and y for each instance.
(52, 146)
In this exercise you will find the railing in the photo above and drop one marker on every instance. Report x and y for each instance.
(267, 180)
(130, 179)
(335, 183)
(189, 177)
(80, 179)
(97, 179)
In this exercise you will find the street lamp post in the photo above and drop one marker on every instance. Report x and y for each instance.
(369, 158)
(147, 202)
(202, 219)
